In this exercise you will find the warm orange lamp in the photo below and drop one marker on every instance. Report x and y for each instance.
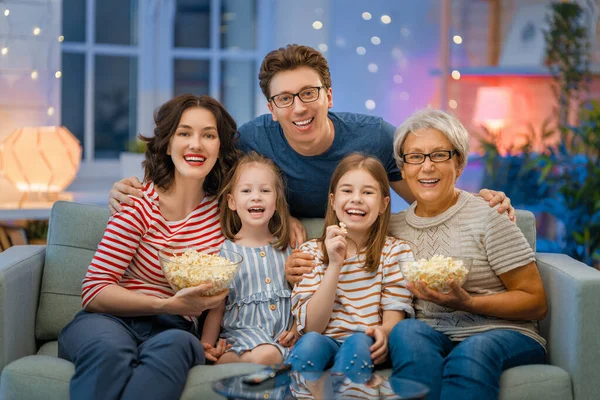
(41, 160)
(493, 107)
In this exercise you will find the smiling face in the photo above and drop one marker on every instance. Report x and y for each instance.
(194, 147)
(358, 201)
(254, 196)
(302, 123)
(433, 184)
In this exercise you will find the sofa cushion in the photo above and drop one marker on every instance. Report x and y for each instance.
(73, 236)
(47, 378)
(49, 349)
(36, 377)
(535, 382)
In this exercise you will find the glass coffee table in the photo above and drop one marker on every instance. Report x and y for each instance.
(322, 385)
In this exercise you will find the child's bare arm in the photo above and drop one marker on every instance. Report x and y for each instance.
(212, 324)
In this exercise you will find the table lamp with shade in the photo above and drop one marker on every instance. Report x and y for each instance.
(493, 110)
(40, 161)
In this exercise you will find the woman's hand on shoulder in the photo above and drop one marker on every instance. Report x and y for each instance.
(457, 299)
(190, 301)
(335, 245)
(496, 197)
(120, 193)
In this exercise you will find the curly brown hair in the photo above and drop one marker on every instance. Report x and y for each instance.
(158, 165)
(379, 231)
(291, 57)
(279, 223)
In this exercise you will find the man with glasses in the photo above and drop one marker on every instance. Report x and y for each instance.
(306, 140)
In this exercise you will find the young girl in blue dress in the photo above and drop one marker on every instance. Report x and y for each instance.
(257, 320)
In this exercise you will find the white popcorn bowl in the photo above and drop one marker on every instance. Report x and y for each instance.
(413, 272)
(182, 275)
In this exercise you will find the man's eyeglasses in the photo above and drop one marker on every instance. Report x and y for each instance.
(436, 156)
(307, 95)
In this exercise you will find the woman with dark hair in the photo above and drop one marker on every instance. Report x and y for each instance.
(135, 337)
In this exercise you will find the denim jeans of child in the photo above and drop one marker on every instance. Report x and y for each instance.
(469, 369)
(315, 352)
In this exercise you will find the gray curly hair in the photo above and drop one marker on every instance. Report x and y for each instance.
(431, 118)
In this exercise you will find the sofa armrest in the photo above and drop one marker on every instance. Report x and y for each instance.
(20, 279)
(573, 322)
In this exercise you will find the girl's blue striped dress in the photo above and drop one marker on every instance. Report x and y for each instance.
(258, 306)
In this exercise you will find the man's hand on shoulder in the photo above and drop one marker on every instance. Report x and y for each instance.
(493, 197)
(298, 264)
(120, 193)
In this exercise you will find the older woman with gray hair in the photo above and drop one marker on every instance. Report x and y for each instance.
(461, 341)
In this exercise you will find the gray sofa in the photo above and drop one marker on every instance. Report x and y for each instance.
(40, 289)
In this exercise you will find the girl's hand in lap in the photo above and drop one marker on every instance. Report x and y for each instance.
(379, 349)
(335, 243)
(457, 298)
(213, 353)
(289, 338)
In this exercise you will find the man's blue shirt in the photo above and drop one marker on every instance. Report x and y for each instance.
(307, 177)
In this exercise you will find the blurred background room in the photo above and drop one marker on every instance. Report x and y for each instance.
(79, 79)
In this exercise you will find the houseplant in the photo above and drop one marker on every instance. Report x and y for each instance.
(573, 166)
(564, 179)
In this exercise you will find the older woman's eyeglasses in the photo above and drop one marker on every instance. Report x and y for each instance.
(436, 156)
(307, 95)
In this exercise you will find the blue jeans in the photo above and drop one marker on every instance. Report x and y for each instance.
(469, 369)
(129, 358)
(315, 352)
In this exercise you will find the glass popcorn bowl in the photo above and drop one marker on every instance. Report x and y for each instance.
(192, 266)
(437, 272)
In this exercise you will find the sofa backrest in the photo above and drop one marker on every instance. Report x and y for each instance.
(73, 236)
(525, 222)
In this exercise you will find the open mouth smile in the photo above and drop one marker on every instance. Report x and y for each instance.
(303, 124)
(194, 160)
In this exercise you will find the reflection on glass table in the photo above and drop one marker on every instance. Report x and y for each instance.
(322, 385)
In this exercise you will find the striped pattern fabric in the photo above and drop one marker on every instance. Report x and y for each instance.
(128, 252)
(361, 296)
(258, 307)
(470, 228)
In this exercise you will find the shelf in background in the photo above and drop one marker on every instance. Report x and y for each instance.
(515, 71)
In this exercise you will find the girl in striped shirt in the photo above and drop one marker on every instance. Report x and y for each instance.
(254, 219)
(135, 337)
(346, 308)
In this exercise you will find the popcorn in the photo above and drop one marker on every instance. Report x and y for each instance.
(343, 227)
(193, 268)
(436, 272)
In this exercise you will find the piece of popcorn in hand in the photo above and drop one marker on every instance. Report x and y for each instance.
(343, 228)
